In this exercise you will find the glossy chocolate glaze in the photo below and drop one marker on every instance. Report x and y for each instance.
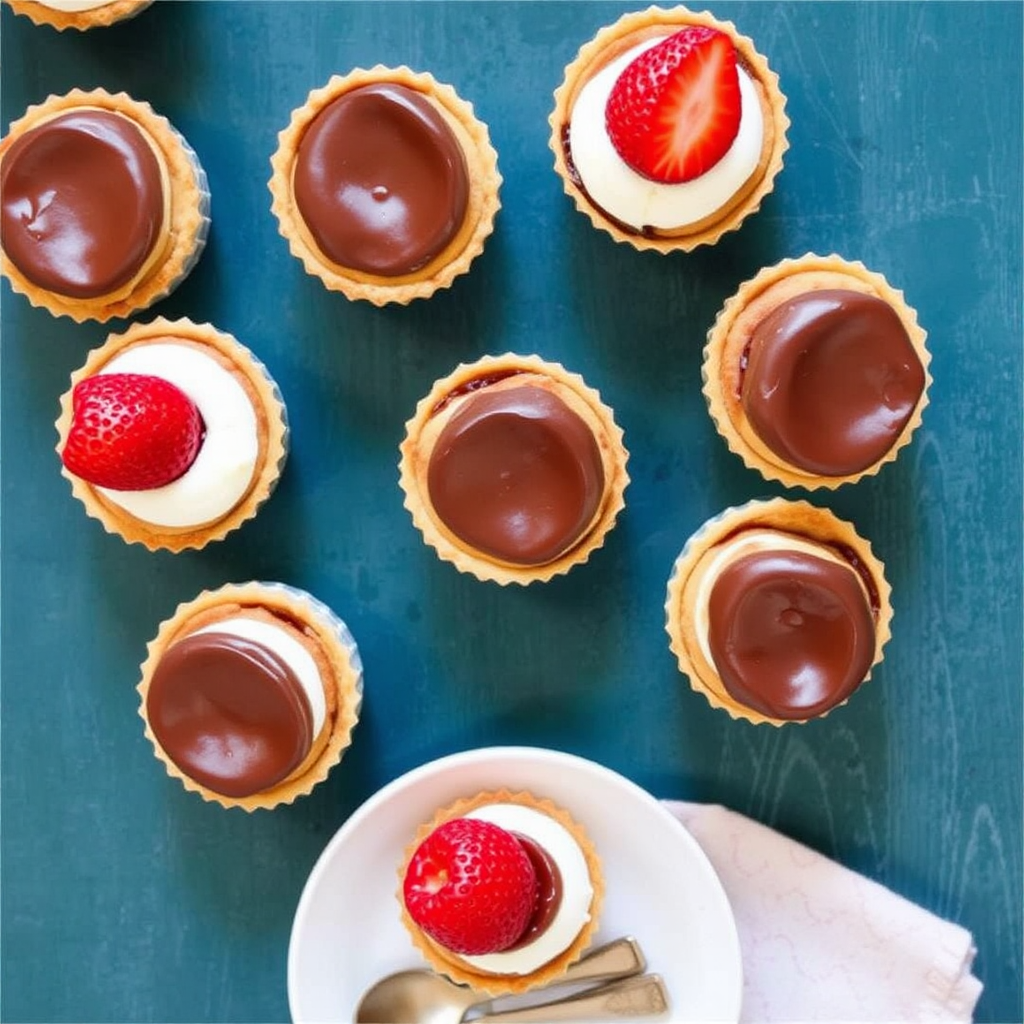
(516, 474)
(549, 892)
(229, 713)
(791, 635)
(381, 180)
(83, 203)
(831, 379)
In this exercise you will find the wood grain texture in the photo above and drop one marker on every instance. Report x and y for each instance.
(125, 898)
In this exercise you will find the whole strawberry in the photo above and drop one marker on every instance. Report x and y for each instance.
(471, 887)
(674, 112)
(131, 431)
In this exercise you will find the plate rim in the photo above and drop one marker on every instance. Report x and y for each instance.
(469, 757)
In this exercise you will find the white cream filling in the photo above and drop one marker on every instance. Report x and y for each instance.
(635, 200)
(73, 6)
(289, 650)
(755, 542)
(577, 892)
(222, 471)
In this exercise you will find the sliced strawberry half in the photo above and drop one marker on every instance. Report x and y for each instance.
(674, 112)
(131, 431)
(471, 887)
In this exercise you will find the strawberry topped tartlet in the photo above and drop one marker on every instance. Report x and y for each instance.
(501, 891)
(172, 434)
(668, 129)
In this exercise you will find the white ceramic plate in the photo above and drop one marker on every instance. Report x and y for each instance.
(660, 886)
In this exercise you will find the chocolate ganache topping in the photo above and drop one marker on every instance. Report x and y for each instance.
(83, 203)
(229, 712)
(381, 181)
(549, 892)
(516, 474)
(831, 380)
(791, 634)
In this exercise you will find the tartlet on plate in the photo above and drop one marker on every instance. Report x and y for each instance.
(250, 694)
(385, 184)
(777, 611)
(816, 372)
(529, 903)
(513, 469)
(668, 195)
(238, 448)
(121, 205)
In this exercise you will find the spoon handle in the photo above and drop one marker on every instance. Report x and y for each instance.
(643, 996)
(619, 959)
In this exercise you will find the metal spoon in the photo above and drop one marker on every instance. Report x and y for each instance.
(423, 997)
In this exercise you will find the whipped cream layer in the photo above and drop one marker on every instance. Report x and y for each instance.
(635, 200)
(289, 650)
(223, 470)
(73, 6)
(754, 542)
(577, 891)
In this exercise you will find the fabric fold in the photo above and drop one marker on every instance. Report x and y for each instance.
(821, 942)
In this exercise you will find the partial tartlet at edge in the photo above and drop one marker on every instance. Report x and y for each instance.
(185, 223)
(99, 16)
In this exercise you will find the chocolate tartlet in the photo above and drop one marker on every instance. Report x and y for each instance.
(250, 694)
(551, 890)
(385, 185)
(777, 611)
(816, 372)
(80, 15)
(513, 469)
(243, 449)
(105, 207)
(705, 219)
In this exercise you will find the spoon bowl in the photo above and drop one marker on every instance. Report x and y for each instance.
(419, 996)
(425, 997)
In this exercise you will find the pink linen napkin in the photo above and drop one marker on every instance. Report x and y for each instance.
(823, 943)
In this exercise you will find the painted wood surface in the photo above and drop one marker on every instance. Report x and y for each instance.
(125, 898)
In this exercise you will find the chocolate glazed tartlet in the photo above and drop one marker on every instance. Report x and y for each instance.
(385, 185)
(777, 611)
(105, 207)
(513, 469)
(250, 694)
(816, 372)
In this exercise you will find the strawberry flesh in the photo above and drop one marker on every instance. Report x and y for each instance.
(675, 110)
(471, 887)
(131, 431)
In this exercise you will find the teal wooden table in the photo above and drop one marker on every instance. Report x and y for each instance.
(125, 898)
